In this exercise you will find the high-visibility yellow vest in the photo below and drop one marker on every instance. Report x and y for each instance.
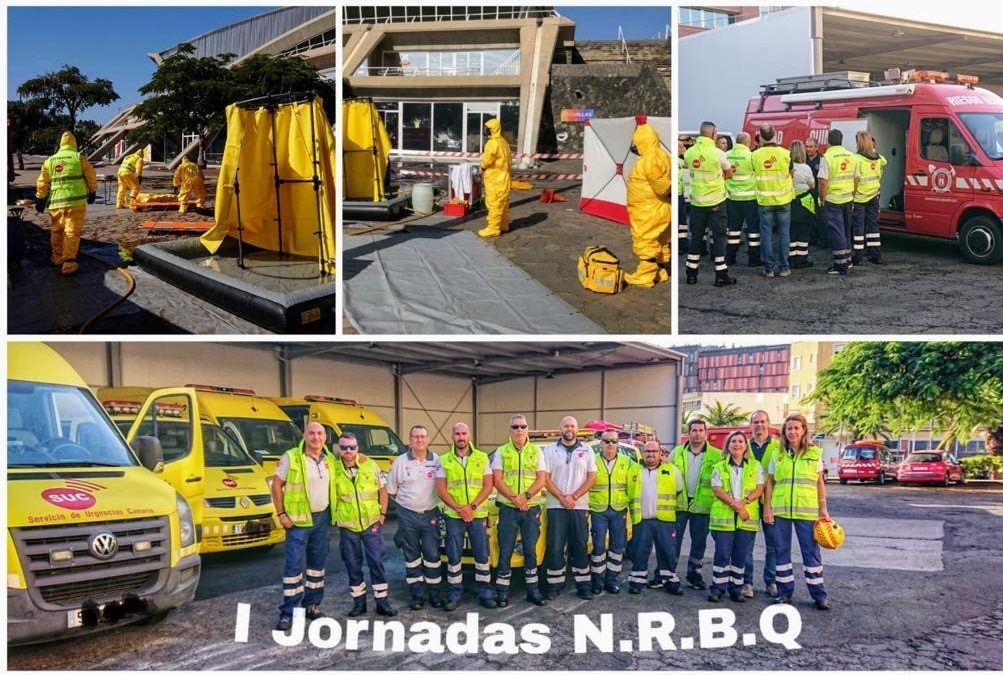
(132, 164)
(66, 176)
(519, 470)
(869, 181)
(772, 448)
(359, 498)
(774, 184)
(295, 500)
(464, 481)
(610, 488)
(722, 518)
(707, 178)
(704, 497)
(795, 485)
(742, 185)
(841, 164)
(666, 502)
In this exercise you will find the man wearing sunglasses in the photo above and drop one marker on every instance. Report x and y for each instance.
(608, 502)
(571, 472)
(361, 513)
(304, 497)
(411, 482)
(464, 485)
(519, 475)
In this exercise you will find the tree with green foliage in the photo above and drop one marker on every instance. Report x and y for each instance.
(955, 386)
(721, 415)
(264, 74)
(24, 120)
(67, 92)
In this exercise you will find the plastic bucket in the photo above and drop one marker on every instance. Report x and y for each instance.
(423, 198)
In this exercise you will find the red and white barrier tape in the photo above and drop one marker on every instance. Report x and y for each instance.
(534, 176)
(531, 155)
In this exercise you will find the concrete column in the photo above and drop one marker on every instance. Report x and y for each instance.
(816, 41)
(537, 55)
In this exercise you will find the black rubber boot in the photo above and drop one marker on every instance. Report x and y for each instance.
(724, 279)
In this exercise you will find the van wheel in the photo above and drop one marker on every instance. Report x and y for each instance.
(981, 240)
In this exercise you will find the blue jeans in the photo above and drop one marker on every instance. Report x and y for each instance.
(648, 532)
(770, 564)
(306, 557)
(418, 539)
(477, 532)
(606, 565)
(811, 554)
(731, 551)
(779, 217)
(366, 546)
(527, 524)
(699, 527)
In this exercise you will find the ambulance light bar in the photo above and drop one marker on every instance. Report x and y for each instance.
(222, 390)
(314, 398)
(122, 407)
(850, 94)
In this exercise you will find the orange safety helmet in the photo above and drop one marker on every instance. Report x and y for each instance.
(828, 533)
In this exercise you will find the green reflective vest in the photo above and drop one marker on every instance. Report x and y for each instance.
(66, 177)
(704, 497)
(774, 184)
(610, 488)
(841, 163)
(359, 496)
(742, 185)
(132, 164)
(707, 178)
(869, 180)
(669, 498)
(772, 448)
(795, 485)
(722, 518)
(464, 481)
(295, 500)
(519, 470)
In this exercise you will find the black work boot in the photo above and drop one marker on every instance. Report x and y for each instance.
(359, 608)
(691, 276)
(724, 279)
(383, 608)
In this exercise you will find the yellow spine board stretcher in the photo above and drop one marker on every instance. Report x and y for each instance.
(248, 159)
(366, 150)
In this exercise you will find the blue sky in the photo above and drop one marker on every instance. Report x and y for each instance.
(112, 42)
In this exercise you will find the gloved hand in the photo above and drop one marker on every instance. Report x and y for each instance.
(40, 204)
(91, 197)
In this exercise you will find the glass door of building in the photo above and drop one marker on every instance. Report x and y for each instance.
(475, 115)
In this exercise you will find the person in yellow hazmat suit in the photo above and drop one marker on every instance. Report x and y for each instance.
(66, 184)
(189, 179)
(130, 174)
(648, 207)
(496, 163)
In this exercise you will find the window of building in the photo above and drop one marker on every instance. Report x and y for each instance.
(447, 127)
(451, 63)
(796, 363)
(769, 9)
(795, 391)
(703, 18)
(416, 132)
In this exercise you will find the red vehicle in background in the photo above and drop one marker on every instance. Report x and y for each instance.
(716, 436)
(942, 138)
(867, 461)
(931, 466)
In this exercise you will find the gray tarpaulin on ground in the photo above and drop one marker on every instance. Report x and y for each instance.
(446, 282)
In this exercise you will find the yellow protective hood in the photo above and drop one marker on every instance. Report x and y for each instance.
(494, 126)
(645, 139)
(68, 139)
(247, 160)
(365, 151)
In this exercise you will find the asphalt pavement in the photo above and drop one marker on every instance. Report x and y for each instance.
(917, 586)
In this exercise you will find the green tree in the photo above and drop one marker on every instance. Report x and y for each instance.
(67, 91)
(25, 119)
(720, 415)
(264, 74)
(955, 386)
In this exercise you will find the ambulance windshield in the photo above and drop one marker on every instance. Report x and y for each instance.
(57, 425)
(987, 129)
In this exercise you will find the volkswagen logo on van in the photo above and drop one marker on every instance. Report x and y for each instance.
(104, 545)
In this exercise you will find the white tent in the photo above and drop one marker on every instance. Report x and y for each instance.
(608, 162)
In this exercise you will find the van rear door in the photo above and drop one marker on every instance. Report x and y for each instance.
(938, 182)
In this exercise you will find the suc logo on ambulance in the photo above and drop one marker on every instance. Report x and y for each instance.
(69, 498)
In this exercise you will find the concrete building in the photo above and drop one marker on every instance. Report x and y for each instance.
(438, 73)
(748, 378)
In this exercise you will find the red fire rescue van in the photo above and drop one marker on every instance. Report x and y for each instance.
(941, 135)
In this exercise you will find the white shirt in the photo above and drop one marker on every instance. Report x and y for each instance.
(318, 480)
(412, 482)
(736, 479)
(569, 471)
(803, 178)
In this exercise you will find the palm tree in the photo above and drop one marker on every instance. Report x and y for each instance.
(720, 415)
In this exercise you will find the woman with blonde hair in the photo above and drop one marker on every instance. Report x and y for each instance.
(795, 499)
(737, 482)
(866, 198)
(802, 207)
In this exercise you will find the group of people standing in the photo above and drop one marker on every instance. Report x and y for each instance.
(784, 198)
(589, 496)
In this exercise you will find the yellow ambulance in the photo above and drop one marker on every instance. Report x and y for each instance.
(228, 489)
(95, 538)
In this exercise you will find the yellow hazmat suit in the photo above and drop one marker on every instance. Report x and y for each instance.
(190, 179)
(648, 207)
(68, 180)
(129, 175)
(496, 163)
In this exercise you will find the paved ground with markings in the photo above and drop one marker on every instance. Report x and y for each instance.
(903, 591)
